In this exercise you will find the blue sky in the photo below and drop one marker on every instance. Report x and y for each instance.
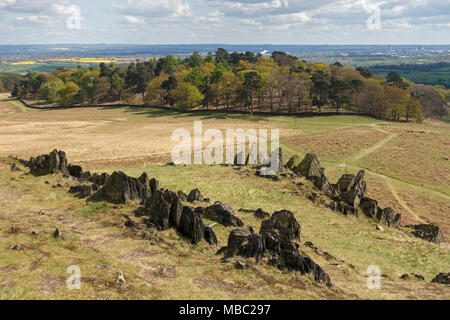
(225, 21)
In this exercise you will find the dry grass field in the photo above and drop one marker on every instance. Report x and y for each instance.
(406, 171)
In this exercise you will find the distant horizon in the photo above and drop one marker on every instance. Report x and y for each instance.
(227, 44)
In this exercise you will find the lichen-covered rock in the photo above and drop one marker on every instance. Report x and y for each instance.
(293, 162)
(309, 167)
(397, 220)
(428, 232)
(385, 216)
(223, 214)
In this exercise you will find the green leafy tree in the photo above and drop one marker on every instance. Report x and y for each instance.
(320, 89)
(195, 60)
(49, 90)
(67, 93)
(186, 96)
(117, 85)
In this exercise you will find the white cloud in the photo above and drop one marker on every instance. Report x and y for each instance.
(35, 6)
(33, 21)
(131, 20)
(154, 8)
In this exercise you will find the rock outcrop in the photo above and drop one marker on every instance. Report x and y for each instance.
(385, 216)
(165, 210)
(276, 242)
(428, 232)
(351, 188)
(120, 188)
(310, 168)
(52, 163)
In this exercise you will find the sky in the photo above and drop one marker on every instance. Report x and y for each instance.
(225, 21)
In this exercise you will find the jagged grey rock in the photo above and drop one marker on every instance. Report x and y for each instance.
(224, 214)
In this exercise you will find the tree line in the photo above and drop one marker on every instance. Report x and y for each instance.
(246, 81)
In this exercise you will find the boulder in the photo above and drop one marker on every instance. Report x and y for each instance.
(352, 188)
(369, 207)
(428, 232)
(75, 171)
(57, 162)
(210, 236)
(285, 221)
(223, 214)
(245, 244)
(397, 220)
(442, 278)
(164, 209)
(293, 162)
(385, 216)
(321, 182)
(191, 225)
(196, 195)
(309, 167)
(282, 228)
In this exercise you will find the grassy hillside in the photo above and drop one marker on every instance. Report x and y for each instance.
(405, 170)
